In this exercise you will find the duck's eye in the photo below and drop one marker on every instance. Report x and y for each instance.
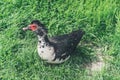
(33, 27)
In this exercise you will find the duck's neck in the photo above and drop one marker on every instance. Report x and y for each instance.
(43, 39)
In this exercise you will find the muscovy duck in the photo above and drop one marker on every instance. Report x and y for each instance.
(56, 49)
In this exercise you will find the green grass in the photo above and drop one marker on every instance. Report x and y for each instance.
(100, 19)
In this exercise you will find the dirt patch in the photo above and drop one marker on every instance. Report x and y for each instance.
(98, 64)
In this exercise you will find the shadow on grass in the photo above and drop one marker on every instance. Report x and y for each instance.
(83, 56)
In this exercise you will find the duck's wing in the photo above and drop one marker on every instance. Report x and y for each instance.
(61, 49)
(66, 44)
(73, 37)
(59, 39)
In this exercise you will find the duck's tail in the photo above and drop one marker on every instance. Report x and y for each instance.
(75, 38)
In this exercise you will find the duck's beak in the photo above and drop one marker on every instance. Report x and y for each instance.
(26, 28)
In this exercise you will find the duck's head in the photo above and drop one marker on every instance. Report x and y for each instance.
(37, 27)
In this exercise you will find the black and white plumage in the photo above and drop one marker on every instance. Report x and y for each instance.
(54, 49)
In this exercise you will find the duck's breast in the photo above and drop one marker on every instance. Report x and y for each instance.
(46, 52)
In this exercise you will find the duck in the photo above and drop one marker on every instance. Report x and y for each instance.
(57, 49)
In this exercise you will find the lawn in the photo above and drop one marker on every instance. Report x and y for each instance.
(97, 56)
